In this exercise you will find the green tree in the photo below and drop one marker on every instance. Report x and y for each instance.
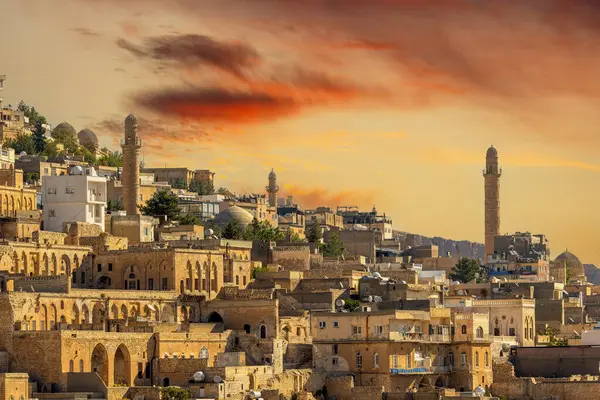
(22, 142)
(568, 274)
(88, 156)
(189, 219)
(202, 188)
(351, 304)
(256, 270)
(110, 158)
(262, 231)
(553, 339)
(113, 206)
(293, 236)
(225, 192)
(31, 113)
(51, 150)
(162, 203)
(466, 270)
(39, 137)
(334, 247)
(315, 233)
(233, 230)
(174, 393)
(65, 134)
(180, 184)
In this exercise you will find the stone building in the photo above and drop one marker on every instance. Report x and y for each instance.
(573, 265)
(131, 146)
(181, 176)
(14, 196)
(491, 174)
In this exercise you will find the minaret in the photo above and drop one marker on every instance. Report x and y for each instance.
(272, 189)
(131, 166)
(491, 175)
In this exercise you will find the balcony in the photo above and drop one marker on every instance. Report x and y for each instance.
(436, 369)
(419, 337)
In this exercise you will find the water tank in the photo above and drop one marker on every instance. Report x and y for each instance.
(199, 376)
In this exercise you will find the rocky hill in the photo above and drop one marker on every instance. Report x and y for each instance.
(592, 273)
(460, 248)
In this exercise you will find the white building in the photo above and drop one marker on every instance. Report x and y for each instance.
(77, 197)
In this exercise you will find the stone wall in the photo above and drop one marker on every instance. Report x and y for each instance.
(47, 237)
(291, 258)
(556, 362)
(47, 284)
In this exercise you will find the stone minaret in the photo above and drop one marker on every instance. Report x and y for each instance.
(272, 189)
(491, 175)
(131, 166)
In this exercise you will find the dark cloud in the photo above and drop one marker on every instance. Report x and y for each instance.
(193, 50)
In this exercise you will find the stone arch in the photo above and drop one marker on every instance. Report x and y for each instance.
(53, 317)
(45, 265)
(148, 312)
(75, 319)
(29, 204)
(134, 313)
(205, 277)
(43, 317)
(65, 264)
(192, 314)
(185, 317)
(71, 366)
(189, 282)
(19, 207)
(99, 362)
(124, 311)
(215, 317)
(103, 282)
(24, 268)
(263, 331)
(54, 265)
(439, 383)
(166, 382)
(479, 332)
(81, 365)
(114, 311)
(199, 275)
(11, 206)
(424, 382)
(214, 282)
(85, 314)
(122, 366)
(16, 262)
(98, 314)
(5, 205)
(203, 353)
(75, 262)
(167, 314)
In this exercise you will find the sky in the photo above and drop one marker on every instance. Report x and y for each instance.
(391, 103)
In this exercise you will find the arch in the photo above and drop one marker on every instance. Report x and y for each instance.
(189, 281)
(81, 366)
(5, 205)
(103, 282)
(424, 382)
(16, 262)
(29, 204)
(11, 206)
(19, 207)
(166, 382)
(65, 264)
(477, 359)
(114, 310)
(167, 314)
(487, 359)
(203, 353)
(214, 317)
(99, 362)
(85, 314)
(43, 317)
(122, 366)
(199, 275)
(53, 317)
(192, 314)
(376, 360)
(71, 366)
(24, 263)
(75, 319)
(359, 360)
(98, 314)
(124, 311)
(54, 265)
(285, 332)
(134, 312)
(247, 328)
(75, 262)
(263, 331)
(479, 332)
(463, 358)
(214, 282)
(205, 277)
(463, 329)
(184, 314)
(148, 313)
(439, 383)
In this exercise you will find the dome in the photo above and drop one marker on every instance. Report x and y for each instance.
(568, 257)
(491, 152)
(76, 170)
(573, 264)
(272, 174)
(86, 136)
(235, 213)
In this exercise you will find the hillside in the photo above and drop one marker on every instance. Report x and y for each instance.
(460, 248)
(592, 273)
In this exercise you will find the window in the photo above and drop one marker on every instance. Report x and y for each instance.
(165, 285)
(244, 280)
(394, 361)
(356, 330)
(378, 329)
(70, 190)
(322, 324)
(336, 324)
(487, 359)
(140, 373)
(451, 358)
(511, 332)
(51, 213)
(463, 329)
(479, 332)
(477, 359)
(204, 353)
(150, 284)
(463, 358)
(51, 190)
(99, 267)
(376, 360)
(110, 266)
(237, 280)
(145, 231)
(334, 361)
(408, 361)
(358, 360)
(334, 348)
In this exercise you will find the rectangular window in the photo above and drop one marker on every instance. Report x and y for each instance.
(356, 330)
(164, 284)
(512, 332)
(145, 231)
(237, 280)
(33, 326)
(51, 213)
(322, 324)
(51, 190)
(99, 267)
(70, 190)
(196, 285)
(334, 349)
(150, 284)
(110, 266)
(334, 361)
(378, 329)
(336, 324)
(244, 280)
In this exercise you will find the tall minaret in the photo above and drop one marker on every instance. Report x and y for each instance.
(131, 166)
(272, 189)
(491, 175)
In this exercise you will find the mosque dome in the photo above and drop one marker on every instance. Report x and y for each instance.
(573, 263)
(66, 128)
(491, 152)
(86, 136)
(235, 213)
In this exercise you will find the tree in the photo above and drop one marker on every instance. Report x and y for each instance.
(180, 184)
(466, 270)
(51, 150)
(202, 188)
(262, 231)
(189, 219)
(334, 247)
(174, 393)
(567, 275)
(553, 339)
(162, 203)
(39, 137)
(293, 236)
(22, 142)
(315, 233)
(110, 158)
(31, 113)
(116, 206)
(233, 230)
(351, 304)
(225, 192)
(88, 156)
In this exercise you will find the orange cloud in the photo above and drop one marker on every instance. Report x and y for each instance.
(315, 197)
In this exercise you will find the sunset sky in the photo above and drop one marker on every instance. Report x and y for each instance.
(390, 103)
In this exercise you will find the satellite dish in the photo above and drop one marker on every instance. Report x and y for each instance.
(217, 379)
(199, 376)
(340, 303)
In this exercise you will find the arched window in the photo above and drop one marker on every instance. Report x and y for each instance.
(477, 359)
(81, 365)
(71, 366)
(408, 361)
(479, 332)
(376, 360)
(203, 353)
(451, 358)
(463, 329)
(263, 332)
(487, 359)
(358, 360)
(463, 358)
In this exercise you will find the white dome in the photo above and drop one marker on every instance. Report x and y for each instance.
(77, 170)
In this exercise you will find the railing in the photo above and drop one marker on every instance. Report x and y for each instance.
(434, 369)
(472, 338)
(419, 337)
